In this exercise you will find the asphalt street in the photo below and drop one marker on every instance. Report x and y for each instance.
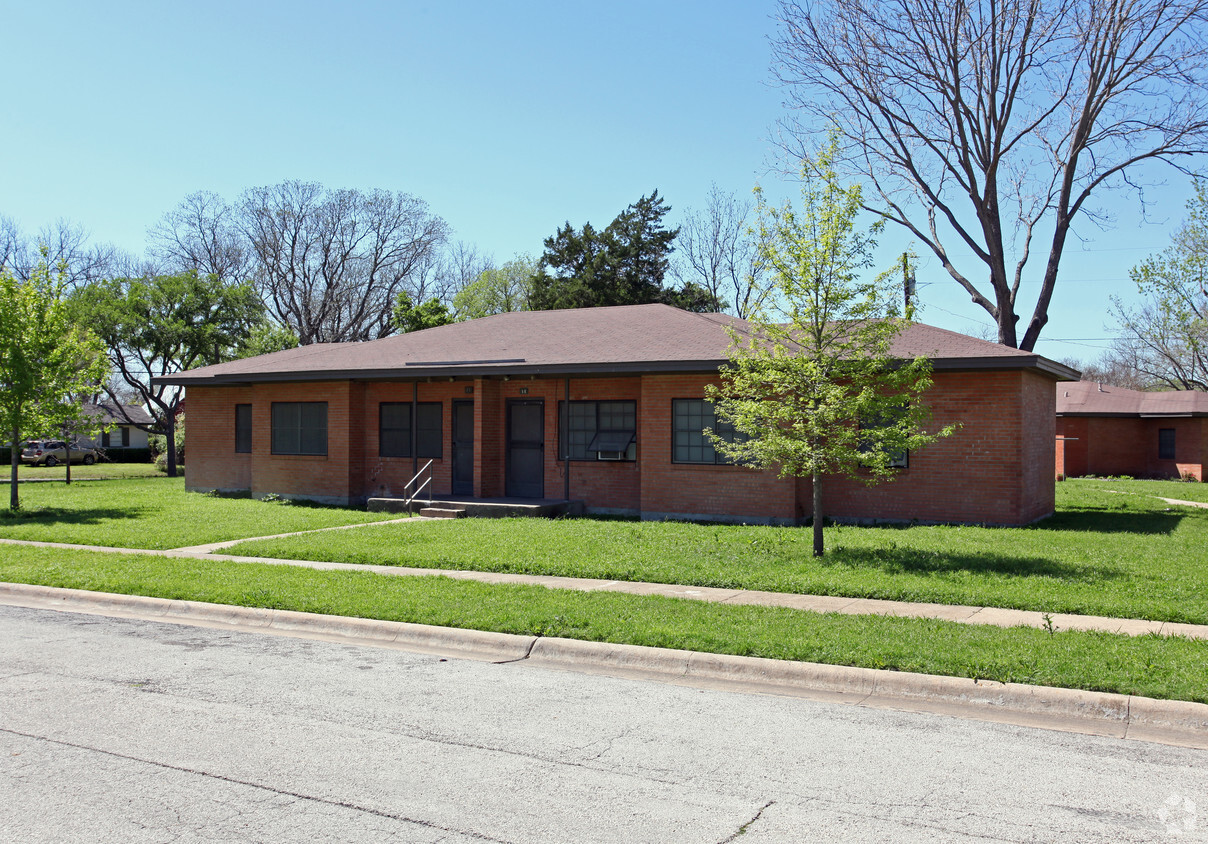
(137, 731)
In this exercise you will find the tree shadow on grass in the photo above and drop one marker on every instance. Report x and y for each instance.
(912, 561)
(1105, 520)
(67, 516)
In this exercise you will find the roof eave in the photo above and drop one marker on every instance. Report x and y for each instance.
(406, 373)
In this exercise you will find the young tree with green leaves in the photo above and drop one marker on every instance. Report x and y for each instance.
(158, 326)
(814, 390)
(46, 360)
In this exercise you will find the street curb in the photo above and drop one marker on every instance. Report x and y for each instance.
(1098, 713)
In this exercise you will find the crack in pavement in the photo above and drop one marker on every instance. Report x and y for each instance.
(261, 787)
(742, 830)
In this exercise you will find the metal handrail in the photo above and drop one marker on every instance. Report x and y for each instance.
(421, 487)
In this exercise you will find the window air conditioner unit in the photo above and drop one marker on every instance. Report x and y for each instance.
(610, 455)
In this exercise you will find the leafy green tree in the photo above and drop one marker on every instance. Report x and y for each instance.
(623, 265)
(46, 360)
(266, 337)
(158, 326)
(1165, 339)
(409, 316)
(814, 390)
(692, 297)
(497, 290)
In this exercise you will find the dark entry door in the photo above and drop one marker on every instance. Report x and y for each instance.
(463, 448)
(526, 449)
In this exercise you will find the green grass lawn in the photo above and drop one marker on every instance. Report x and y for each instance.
(156, 513)
(1111, 549)
(1153, 666)
(82, 472)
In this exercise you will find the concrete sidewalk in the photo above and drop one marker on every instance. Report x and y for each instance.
(995, 616)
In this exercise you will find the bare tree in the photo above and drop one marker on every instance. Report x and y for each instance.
(994, 122)
(68, 248)
(719, 251)
(446, 272)
(330, 262)
(1162, 349)
(202, 233)
(1118, 366)
(1165, 339)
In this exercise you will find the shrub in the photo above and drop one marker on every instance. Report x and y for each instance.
(126, 455)
(159, 444)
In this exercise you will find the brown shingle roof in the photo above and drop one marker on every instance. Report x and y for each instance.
(1086, 398)
(630, 338)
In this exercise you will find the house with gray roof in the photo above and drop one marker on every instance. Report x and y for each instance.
(120, 426)
(603, 406)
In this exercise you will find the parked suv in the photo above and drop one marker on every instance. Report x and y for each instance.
(54, 452)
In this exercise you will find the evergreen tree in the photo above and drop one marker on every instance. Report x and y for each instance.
(622, 265)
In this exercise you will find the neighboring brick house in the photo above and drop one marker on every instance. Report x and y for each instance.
(1104, 430)
(485, 401)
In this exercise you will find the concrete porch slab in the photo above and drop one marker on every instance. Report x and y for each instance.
(483, 507)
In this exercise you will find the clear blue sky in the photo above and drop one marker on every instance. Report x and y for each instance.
(507, 118)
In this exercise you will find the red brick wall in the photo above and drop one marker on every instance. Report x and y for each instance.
(997, 468)
(1128, 445)
(1038, 424)
(210, 453)
(674, 489)
(614, 486)
(324, 477)
(488, 439)
(386, 477)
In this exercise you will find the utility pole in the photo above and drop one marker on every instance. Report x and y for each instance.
(908, 284)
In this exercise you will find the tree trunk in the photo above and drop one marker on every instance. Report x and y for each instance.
(14, 499)
(817, 514)
(170, 439)
(67, 451)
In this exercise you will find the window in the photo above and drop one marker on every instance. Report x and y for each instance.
(105, 439)
(394, 429)
(1166, 443)
(125, 436)
(598, 430)
(689, 418)
(897, 460)
(243, 429)
(299, 427)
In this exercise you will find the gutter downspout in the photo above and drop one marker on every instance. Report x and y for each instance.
(414, 426)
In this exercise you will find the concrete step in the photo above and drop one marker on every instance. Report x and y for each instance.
(443, 512)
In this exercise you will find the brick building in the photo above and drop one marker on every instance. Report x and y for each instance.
(603, 406)
(1104, 430)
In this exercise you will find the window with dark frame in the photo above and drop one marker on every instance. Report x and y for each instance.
(394, 429)
(243, 429)
(105, 439)
(595, 428)
(898, 460)
(1166, 443)
(689, 418)
(299, 427)
(125, 436)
